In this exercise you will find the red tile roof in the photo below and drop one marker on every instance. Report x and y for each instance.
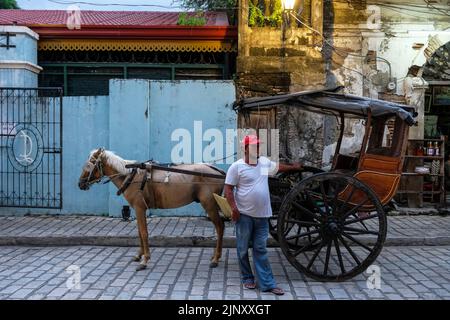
(102, 18)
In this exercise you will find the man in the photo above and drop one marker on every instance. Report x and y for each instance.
(251, 209)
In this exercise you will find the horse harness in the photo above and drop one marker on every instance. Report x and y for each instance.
(148, 167)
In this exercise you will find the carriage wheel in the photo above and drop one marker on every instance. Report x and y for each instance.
(331, 227)
(280, 186)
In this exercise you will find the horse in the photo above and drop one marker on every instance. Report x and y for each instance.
(162, 190)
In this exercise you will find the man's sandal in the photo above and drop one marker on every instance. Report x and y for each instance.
(277, 291)
(250, 285)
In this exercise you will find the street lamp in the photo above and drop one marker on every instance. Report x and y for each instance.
(288, 8)
(288, 5)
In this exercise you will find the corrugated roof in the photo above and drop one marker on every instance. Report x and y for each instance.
(103, 18)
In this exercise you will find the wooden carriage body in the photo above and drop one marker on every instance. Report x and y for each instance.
(327, 214)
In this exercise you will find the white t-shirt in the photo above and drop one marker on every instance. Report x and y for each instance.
(252, 187)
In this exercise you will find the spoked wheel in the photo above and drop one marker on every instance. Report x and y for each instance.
(331, 227)
(279, 186)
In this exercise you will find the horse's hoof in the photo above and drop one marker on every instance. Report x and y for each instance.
(136, 259)
(141, 267)
(213, 265)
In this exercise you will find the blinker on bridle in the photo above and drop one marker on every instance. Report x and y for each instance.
(91, 168)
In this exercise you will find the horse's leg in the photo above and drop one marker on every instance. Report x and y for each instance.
(211, 208)
(138, 256)
(142, 225)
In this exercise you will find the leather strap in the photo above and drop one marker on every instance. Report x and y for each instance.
(127, 182)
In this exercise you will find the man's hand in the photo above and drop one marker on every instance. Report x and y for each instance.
(235, 214)
(228, 190)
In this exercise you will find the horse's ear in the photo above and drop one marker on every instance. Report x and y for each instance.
(98, 152)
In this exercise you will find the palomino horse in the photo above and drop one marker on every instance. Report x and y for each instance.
(162, 190)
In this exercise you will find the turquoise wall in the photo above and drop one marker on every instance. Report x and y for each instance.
(25, 50)
(136, 121)
(18, 78)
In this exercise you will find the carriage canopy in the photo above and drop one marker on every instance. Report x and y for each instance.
(328, 101)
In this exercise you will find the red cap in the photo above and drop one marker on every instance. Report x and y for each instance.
(250, 139)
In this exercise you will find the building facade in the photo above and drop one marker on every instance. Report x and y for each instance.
(82, 51)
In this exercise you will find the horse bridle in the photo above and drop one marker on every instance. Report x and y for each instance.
(92, 166)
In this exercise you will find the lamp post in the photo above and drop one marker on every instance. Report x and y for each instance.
(288, 8)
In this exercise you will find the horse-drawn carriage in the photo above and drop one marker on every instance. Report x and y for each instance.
(330, 225)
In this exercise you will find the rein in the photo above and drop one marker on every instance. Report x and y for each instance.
(170, 169)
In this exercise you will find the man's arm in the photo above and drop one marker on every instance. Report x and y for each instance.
(285, 167)
(229, 194)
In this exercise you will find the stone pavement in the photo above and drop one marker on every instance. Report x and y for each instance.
(182, 231)
(183, 273)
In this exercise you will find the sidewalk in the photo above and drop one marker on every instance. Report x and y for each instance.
(182, 231)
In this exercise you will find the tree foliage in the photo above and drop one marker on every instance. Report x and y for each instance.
(198, 19)
(265, 13)
(8, 4)
(228, 6)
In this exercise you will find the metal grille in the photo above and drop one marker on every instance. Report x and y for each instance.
(31, 147)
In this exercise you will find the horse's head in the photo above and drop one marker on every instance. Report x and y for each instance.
(92, 170)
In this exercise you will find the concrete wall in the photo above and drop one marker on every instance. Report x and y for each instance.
(143, 114)
(135, 121)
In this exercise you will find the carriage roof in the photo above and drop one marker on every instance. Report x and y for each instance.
(328, 101)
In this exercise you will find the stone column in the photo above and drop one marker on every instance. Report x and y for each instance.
(18, 57)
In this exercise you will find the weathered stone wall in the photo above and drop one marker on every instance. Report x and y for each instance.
(274, 61)
(357, 54)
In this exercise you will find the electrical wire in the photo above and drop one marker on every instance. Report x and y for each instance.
(387, 5)
(334, 49)
(406, 7)
(408, 14)
(130, 5)
(436, 8)
(337, 50)
(112, 4)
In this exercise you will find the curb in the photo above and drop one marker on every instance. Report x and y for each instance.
(194, 241)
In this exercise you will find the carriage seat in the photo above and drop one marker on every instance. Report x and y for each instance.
(383, 184)
(381, 173)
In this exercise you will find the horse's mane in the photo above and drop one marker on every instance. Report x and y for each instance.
(116, 162)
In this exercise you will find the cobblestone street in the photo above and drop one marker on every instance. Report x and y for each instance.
(183, 273)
